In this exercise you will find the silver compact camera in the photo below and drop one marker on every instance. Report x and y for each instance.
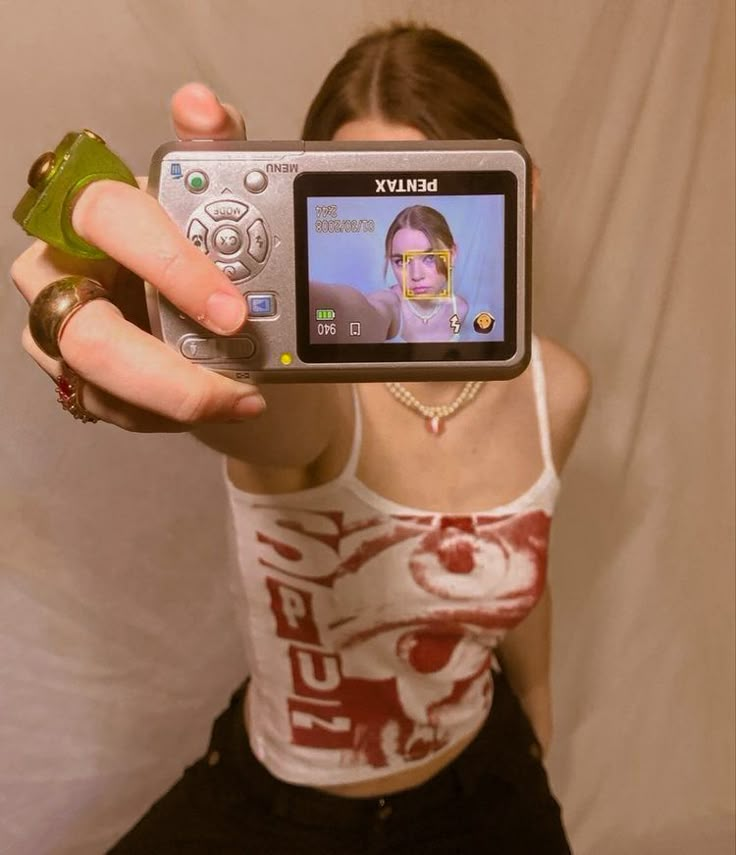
(357, 261)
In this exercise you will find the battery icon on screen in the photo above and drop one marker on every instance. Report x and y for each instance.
(325, 314)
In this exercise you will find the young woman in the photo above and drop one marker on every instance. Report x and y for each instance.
(421, 303)
(421, 251)
(393, 582)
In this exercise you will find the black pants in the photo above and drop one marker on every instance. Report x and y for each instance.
(494, 798)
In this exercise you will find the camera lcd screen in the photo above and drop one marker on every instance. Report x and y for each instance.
(406, 267)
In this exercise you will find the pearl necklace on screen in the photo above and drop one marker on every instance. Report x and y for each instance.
(425, 319)
(434, 416)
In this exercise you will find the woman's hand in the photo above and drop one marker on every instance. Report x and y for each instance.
(130, 378)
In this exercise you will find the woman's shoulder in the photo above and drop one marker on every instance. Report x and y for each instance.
(390, 295)
(569, 384)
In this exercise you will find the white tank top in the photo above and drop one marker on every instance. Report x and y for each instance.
(370, 626)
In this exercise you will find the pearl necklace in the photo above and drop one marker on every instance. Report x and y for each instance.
(425, 319)
(434, 416)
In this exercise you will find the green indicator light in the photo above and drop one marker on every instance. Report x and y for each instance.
(325, 314)
(197, 181)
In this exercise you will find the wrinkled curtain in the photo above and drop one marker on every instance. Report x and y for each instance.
(117, 638)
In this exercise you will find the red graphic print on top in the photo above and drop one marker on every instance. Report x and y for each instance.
(388, 621)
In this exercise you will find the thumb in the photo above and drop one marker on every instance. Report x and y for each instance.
(197, 113)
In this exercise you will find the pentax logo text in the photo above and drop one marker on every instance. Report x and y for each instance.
(406, 185)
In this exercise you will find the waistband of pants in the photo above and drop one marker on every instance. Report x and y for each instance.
(483, 758)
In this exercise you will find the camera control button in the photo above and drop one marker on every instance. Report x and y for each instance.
(226, 209)
(196, 347)
(209, 349)
(197, 234)
(261, 305)
(235, 271)
(258, 241)
(236, 348)
(256, 181)
(228, 241)
(197, 181)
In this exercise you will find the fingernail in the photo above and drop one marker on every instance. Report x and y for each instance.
(249, 405)
(225, 313)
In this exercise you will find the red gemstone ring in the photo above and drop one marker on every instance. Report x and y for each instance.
(68, 388)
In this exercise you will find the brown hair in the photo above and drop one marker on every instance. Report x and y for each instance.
(417, 76)
(431, 223)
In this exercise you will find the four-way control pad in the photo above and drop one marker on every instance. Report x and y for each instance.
(234, 234)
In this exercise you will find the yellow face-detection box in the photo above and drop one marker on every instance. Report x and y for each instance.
(429, 259)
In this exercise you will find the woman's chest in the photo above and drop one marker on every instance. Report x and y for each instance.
(487, 455)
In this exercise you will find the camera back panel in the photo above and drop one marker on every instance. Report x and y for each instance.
(301, 230)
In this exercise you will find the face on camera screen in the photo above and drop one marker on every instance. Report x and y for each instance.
(427, 272)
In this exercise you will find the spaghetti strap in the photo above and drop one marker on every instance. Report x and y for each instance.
(540, 399)
(352, 465)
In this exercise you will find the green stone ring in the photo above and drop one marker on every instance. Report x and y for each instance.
(56, 178)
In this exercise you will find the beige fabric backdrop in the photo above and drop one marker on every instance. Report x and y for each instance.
(117, 643)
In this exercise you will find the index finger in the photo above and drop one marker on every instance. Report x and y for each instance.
(131, 227)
